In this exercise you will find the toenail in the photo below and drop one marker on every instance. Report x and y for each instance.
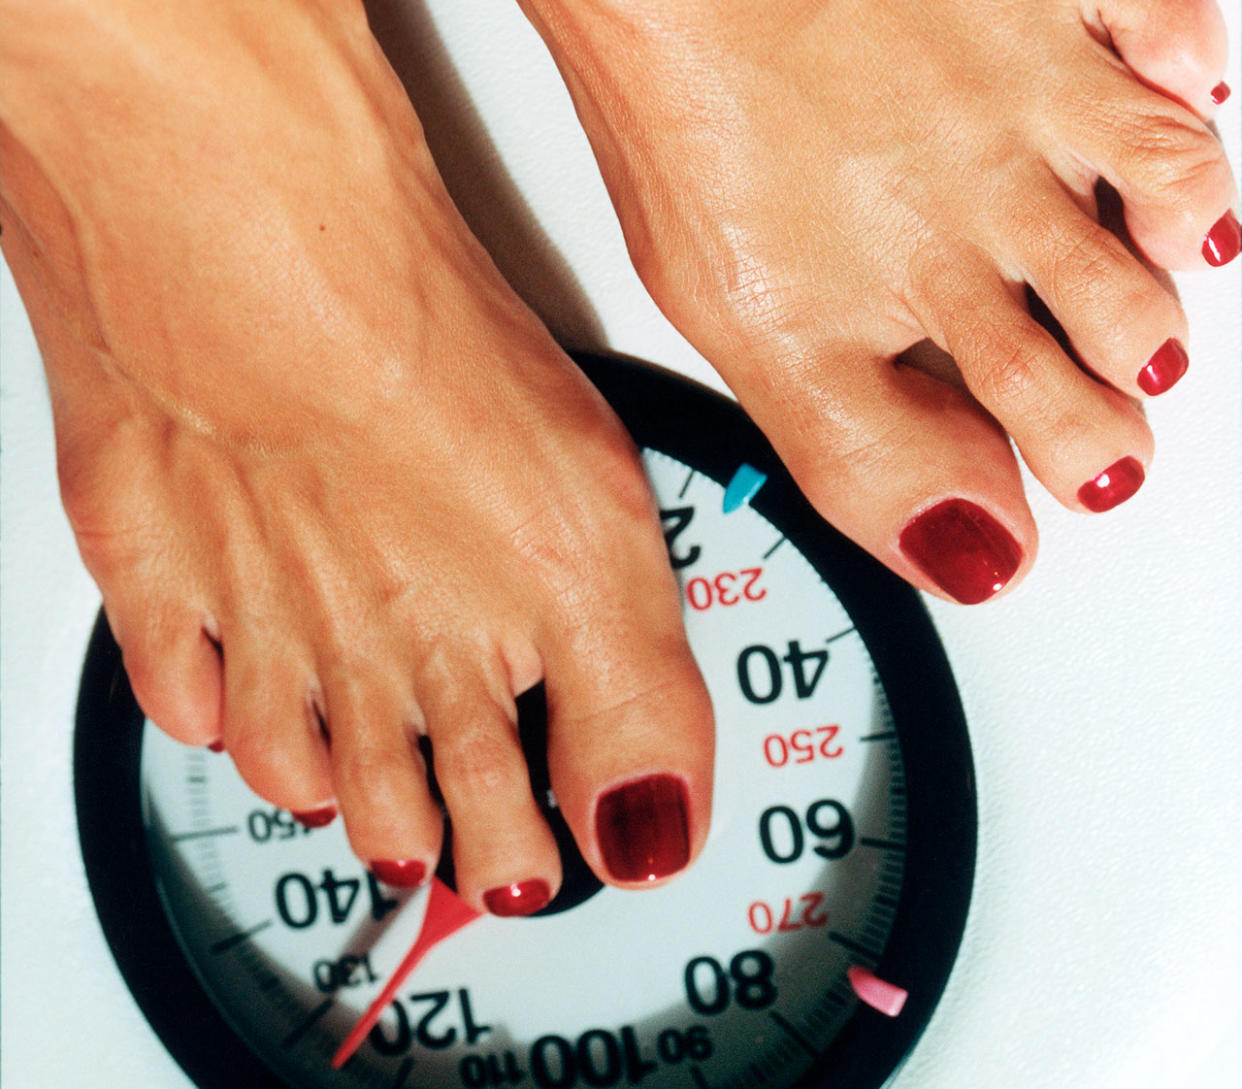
(521, 898)
(962, 549)
(642, 828)
(216, 746)
(1223, 241)
(405, 874)
(1164, 369)
(1113, 486)
(316, 818)
(1220, 92)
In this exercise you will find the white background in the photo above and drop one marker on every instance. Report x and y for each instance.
(1104, 947)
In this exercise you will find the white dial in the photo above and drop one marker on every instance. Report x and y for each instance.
(737, 974)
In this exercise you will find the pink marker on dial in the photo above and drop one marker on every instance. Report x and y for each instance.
(888, 998)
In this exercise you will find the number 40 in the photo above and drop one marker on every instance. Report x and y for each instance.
(761, 678)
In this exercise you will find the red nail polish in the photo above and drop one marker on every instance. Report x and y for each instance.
(316, 818)
(520, 898)
(1220, 92)
(1113, 486)
(1164, 369)
(643, 830)
(216, 746)
(405, 874)
(1223, 241)
(962, 549)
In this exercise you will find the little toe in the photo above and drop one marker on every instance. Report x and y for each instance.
(1180, 198)
(270, 728)
(172, 664)
(1125, 326)
(505, 857)
(1178, 47)
(380, 778)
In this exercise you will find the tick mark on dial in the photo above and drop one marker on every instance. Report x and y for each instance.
(881, 844)
(234, 940)
(205, 833)
(853, 946)
(686, 486)
(699, 1080)
(794, 1034)
(403, 1074)
(774, 548)
(888, 735)
(308, 1024)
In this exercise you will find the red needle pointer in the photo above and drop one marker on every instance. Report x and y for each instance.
(446, 914)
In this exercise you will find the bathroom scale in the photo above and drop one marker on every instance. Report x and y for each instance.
(805, 949)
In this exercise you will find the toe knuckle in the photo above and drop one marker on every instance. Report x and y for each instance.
(1175, 163)
(1155, 135)
(112, 553)
(1009, 374)
(1087, 259)
(476, 760)
(362, 768)
(1081, 274)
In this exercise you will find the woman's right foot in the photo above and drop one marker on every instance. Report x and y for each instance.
(338, 486)
(810, 187)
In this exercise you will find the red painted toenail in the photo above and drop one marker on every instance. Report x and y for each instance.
(1165, 369)
(1113, 486)
(642, 828)
(216, 746)
(316, 818)
(962, 549)
(1223, 241)
(400, 874)
(1220, 92)
(521, 898)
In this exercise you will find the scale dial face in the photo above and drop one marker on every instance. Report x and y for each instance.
(838, 865)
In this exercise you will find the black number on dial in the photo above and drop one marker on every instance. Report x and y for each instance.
(680, 518)
(762, 680)
(835, 832)
(748, 982)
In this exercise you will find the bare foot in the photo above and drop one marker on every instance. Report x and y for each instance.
(810, 187)
(324, 465)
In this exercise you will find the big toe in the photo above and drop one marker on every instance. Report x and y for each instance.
(630, 756)
(909, 467)
(631, 734)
